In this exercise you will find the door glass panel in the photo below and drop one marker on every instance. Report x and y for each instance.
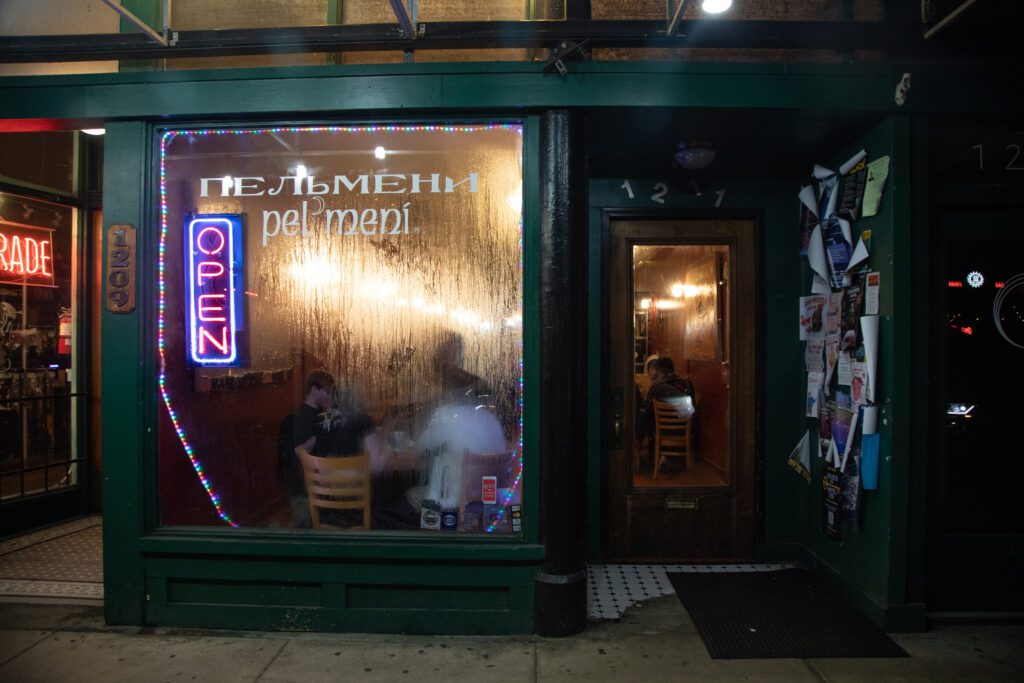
(38, 310)
(681, 360)
(985, 370)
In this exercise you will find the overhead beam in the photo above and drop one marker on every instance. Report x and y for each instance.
(899, 40)
(673, 23)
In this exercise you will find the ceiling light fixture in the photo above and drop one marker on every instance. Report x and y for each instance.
(694, 156)
(94, 131)
(715, 6)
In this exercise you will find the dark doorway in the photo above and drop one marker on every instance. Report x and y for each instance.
(976, 529)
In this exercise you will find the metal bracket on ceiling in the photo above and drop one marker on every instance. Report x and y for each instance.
(140, 24)
(404, 20)
(566, 49)
(673, 22)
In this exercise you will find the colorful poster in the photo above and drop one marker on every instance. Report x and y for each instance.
(838, 249)
(858, 383)
(831, 483)
(814, 380)
(812, 317)
(849, 487)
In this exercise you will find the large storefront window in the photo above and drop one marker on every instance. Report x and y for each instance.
(38, 404)
(340, 327)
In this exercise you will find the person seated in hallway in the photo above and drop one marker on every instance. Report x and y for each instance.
(666, 386)
(303, 428)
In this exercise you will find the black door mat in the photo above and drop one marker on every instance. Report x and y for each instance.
(785, 613)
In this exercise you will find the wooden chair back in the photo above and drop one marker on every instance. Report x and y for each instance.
(672, 435)
(340, 483)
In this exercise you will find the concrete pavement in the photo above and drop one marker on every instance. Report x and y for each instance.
(655, 641)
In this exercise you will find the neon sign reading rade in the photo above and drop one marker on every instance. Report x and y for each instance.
(213, 268)
(26, 255)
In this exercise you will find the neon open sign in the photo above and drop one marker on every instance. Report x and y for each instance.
(26, 255)
(213, 267)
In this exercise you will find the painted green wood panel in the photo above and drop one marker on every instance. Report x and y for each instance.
(774, 202)
(870, 562)
(125, 171)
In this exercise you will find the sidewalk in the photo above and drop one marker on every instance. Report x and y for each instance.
(655, 641)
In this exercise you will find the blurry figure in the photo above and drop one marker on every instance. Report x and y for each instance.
(668, 387)
(303, 429)
(463, 419)
(457, 383)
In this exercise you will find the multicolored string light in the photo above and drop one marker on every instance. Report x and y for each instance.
(165, 141)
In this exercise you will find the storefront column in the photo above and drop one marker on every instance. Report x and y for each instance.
(561, 586)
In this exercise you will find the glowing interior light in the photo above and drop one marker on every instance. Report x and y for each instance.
(319, 272)
(229, 184)
(94, 131)
(677, 290)
(515, 200)
(380, 152)
(975, 279)
(690, 291)
(645, 304)
(716, 6)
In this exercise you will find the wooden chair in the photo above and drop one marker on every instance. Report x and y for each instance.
(341, 483)
(672, 435)
(475, 466)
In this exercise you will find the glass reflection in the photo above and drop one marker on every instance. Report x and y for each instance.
(399, 278)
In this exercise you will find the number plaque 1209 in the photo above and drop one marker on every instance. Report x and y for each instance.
(120, 282)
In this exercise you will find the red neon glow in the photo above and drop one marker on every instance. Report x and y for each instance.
(207, 270)
(26, 254)
(1000, 285)
(967, 330)
(221, 344)
(218, 233)
(955, 283)
(205, 307)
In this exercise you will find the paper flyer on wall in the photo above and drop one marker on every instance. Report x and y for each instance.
(860, 254)
(858, 382)
(819, 285)
(831, 494)
(812, 317)
(869, 328)
(814, 358)
(851, 436)
(849, 484)
(808, 216)
(870, 424)
(851, 185)
(800, 458)
(878, 171)
(814, 380)
(816, 253)
(871, 297)
(838, 249)
(831, 359)
(843, 370)
(853, 298)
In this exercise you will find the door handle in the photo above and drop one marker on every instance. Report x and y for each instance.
(616, 417)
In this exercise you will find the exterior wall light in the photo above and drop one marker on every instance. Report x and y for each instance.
(715, 6)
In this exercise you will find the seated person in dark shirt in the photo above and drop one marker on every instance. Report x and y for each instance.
(303, 428)
(666, 385)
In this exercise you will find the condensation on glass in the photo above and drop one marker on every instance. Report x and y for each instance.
(388, 257)
(38, 314)
(680, 357)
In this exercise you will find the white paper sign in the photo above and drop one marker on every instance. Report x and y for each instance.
(871, 294)
(844, 370)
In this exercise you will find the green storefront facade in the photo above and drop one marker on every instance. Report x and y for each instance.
(534, 580)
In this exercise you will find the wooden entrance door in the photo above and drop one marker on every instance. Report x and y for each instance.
(682, 289)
